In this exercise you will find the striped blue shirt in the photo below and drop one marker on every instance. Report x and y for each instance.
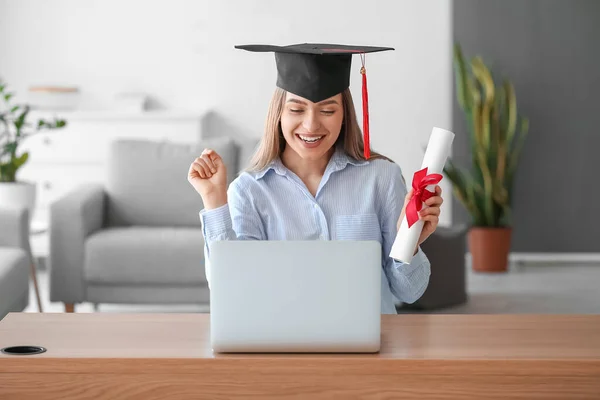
(356, 200)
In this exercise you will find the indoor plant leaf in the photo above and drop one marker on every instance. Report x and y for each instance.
(491, 115)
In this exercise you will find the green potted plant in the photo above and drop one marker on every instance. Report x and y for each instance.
(496, 134)
(14, 128)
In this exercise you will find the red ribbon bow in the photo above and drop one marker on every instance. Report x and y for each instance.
(420, 181)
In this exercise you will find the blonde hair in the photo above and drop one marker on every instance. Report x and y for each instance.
(273, 143)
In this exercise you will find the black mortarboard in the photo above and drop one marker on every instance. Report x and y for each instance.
(318, 71)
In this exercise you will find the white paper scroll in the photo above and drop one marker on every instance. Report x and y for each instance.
(436, 154)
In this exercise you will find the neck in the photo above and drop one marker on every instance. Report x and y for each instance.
(305, 168)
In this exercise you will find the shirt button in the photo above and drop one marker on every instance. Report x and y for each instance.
(316, 205)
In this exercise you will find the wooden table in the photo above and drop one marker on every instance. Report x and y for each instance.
(158, 356)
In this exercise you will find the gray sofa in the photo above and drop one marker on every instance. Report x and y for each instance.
(138, 239)
(15, 260)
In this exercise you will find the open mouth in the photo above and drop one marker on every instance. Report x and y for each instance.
(310, 139)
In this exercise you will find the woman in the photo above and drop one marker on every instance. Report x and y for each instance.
(310, 178)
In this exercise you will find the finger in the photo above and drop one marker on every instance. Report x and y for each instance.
(195, 169)
(408, 195)
(199, 170)
(434, 201)
(214, 156)
(205, 167)
(430, 211)
(206, 158)
(433, 219)
(203, 170)
(203, 163)
(216, 159)
(438, 190)
(192, 171)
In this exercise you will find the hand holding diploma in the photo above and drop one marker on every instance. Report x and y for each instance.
(429, 215)
(420, 213)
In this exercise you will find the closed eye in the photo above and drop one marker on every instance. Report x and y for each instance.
(300, 111)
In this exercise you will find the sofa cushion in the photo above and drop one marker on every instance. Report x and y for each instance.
(147, 181)
(14, 278)
(145, 255)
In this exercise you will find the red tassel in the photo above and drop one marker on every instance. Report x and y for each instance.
(365, 107)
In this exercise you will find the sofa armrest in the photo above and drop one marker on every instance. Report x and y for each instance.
(72, 219)
(15, 228)
(445, 249)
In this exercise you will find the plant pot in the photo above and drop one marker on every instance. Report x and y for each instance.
(489, 248)
(17, 195)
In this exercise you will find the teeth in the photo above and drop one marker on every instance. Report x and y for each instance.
(310, 139)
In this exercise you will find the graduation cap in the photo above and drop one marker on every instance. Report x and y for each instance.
(318, 71)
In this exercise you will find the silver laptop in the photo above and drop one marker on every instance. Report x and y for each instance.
(295, 296)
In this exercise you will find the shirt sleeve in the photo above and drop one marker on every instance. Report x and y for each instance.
(407, 281)
(236, 220)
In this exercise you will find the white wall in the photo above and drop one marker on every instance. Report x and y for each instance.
(181, 53)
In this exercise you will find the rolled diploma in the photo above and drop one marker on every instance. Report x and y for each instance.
(436, 154)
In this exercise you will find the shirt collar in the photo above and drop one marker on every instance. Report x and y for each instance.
(339, 160)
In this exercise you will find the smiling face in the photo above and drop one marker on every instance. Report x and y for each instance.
(311, 129)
